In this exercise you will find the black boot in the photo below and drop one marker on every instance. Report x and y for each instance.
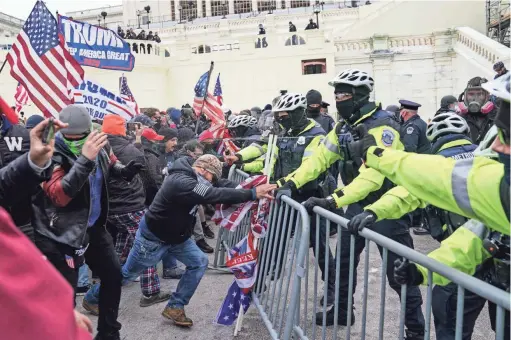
(414, 335)
(342, 318)
(208, 233)
(204, 246)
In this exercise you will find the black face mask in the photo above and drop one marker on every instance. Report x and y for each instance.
(505, 159)
(157, 126)
(286, 123)
(313, 111)
(345, 108)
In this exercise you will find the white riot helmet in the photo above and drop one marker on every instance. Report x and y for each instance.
(499, 87)
(290, 102)
(484, 148)
(353, 77)
(242, 120)
(446, 123)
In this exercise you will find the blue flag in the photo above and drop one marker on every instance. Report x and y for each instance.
(236, 297)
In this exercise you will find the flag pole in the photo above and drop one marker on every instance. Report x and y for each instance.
(3, 64)
(205, 96)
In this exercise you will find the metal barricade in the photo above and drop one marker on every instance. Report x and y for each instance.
(390, 323)
(227, 239)
(282, 253)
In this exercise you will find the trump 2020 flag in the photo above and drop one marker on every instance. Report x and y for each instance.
(242, 262)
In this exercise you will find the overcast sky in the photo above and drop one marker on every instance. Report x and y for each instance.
(21, 8)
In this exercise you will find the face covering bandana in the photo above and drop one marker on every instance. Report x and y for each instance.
(75, 145)
(313, 111)
(345, 108)
(286, 123)
(505, 159)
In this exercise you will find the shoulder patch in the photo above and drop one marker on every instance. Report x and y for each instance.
(409, 130)
(387, 137)
(201, 189)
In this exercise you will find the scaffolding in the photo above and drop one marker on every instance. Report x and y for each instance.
(497, 20)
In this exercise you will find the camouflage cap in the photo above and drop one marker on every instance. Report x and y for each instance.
(209, 163)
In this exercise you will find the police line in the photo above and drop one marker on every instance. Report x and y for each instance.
(287, 301)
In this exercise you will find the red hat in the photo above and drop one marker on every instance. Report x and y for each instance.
(206, 135)
(151, 135)
(8, 112)
(25, 274)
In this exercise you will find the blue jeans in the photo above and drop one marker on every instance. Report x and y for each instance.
(169, 262)
(148, 250)
(83, 276)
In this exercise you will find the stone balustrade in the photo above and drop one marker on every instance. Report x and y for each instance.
(147, 47)
(488, 50)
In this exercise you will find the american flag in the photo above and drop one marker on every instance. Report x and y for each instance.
(127, 95)
(242, 261)
(70, 261)
(211, 109)
(20, 97)
(40, 62)
(218, 91)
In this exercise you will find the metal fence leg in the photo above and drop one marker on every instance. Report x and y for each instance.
(337, 279)
(366, 286)
(460, 306)
(383, 286)
(325, 282)
(500, 323)
(429, 298)
(402, 313)
(316, 266)
(350, 285)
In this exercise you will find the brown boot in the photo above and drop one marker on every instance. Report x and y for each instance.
(91, 308)
(178, 316)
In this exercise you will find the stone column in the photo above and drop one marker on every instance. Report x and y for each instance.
(199, 8)
(177, 11)
(231, 6)
(288, 4)
(254, 5)
(208, 8)
(382, 64)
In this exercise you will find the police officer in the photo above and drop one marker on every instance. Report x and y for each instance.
(481, 192)
(413, 131)
(314, 102)
(324, 107)
(352, 91)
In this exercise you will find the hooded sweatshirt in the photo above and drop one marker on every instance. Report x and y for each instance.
(171, 216)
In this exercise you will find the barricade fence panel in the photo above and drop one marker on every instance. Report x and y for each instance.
(227, 239)
(307, 279)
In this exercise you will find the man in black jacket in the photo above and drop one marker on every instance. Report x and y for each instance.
(14, 142)
(78, 191)
(168, 224)
(126, 208)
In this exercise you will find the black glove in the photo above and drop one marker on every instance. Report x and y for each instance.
(286, 190)
(325, 203)
(360, 221)
(364, 140)
(406, 273)
(130, 170)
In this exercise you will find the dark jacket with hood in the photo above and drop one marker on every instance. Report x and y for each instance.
(68, 195)
(152, 176)
(171, 216)
(126, 197)
(20, 210)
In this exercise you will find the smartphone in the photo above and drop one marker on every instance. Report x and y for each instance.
(131, 126)
(49, 132)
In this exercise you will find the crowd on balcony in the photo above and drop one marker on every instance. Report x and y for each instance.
(131, 34)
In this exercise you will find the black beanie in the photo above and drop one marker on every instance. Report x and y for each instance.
(314, 97)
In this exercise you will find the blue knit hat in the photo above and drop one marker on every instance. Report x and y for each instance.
(33, 120)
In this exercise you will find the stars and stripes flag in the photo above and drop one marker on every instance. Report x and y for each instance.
(127, 95)
(218, 91)
(20, 97)
(70, 261)
(229, 216)
(211, 109)
(242, 262)
(227, 144)
(40, 62)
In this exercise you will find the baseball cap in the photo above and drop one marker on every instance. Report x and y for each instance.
(144, 120)
(151, 135)
(209, 163)
(78, 119)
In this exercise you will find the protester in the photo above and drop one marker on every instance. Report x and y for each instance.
(187, 186)
(78, 191)
(311, 25)
(32, 121)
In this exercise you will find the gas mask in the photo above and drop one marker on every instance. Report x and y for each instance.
(476, 101)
